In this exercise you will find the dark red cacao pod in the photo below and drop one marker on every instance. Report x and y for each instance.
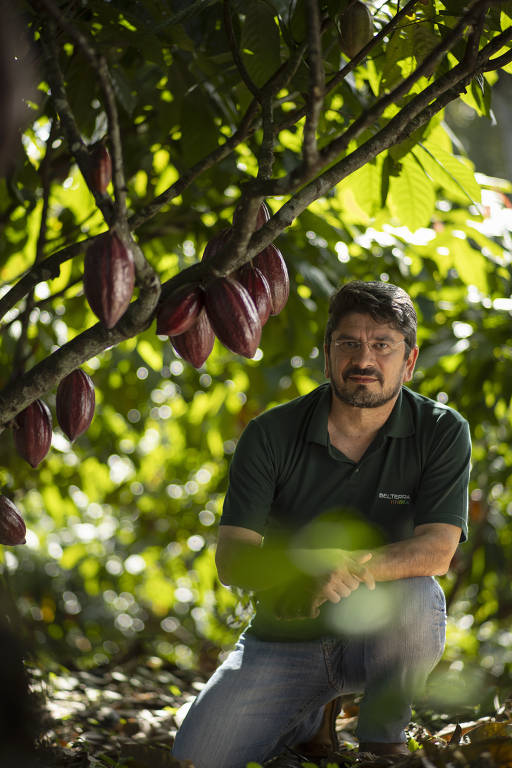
(179, 312)
(33, 435)
(257, 285)
(233, 316)
(262, 217)
(75, 403)
(195, 345)
(270, 261)
(12, 526)
(215, 244)
(109, 278)
(100, 168)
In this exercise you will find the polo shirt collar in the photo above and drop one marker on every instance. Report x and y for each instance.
(399, 424)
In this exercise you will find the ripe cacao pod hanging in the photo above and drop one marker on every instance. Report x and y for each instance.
(355, 27)
(271, 263)
(179, 311)
(12, 526)
(109, 278)
(262, 217)
(75, 403)
(195, 345)
(257, 285)
(233, 316)
(215, 244)
(100, 168)
(33, 432)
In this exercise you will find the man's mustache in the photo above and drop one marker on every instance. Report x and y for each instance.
(355, 371)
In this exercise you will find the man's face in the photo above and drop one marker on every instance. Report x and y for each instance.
(362, 377)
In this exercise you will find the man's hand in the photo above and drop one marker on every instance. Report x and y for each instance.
(303, 598)
(344, 580)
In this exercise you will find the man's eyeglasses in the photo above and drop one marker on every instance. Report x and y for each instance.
(378, 348)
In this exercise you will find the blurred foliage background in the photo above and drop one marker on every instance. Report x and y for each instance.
(122, 523)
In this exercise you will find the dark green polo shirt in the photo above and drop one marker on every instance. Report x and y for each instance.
(285, 474)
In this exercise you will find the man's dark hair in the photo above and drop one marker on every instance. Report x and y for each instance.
(384, 302)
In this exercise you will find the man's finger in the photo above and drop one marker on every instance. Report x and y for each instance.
(364, 575)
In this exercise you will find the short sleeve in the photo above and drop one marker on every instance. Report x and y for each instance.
(442, 496)
(252, 481)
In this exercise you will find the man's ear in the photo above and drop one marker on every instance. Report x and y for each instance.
(410, 363)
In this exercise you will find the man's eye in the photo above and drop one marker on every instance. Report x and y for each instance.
(350, 344)
(381, 346)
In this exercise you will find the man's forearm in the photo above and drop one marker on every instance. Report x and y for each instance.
(417, 556)
(253, 568)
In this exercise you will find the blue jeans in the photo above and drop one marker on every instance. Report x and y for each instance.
(269, 695)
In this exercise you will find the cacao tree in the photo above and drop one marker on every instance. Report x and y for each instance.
(199, 112)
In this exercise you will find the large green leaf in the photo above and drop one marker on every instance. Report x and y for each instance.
(411, 197)
(260, 42)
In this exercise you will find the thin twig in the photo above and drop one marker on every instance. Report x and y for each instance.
(243, 132)
(74, 140)
(43, 302)
(114, 131)
(48, 269)
(99, 65)
(22, 354)
(228, 24)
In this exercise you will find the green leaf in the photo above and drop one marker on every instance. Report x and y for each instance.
(366, 186)
(260, 42)
(451, 173)
(411, 195)
(123, 90)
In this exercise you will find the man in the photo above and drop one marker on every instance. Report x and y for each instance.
(360, 482)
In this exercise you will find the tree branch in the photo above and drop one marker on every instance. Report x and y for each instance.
(74, 140)
(47, 374)
(99, 65)
(301, 175)
(316, 86)
(292, 117)
(418, 112)
(48, 269)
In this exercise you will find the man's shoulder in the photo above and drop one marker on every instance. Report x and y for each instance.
(293, 412)
(429, 410)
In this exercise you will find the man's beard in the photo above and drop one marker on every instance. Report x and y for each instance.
(361, 397)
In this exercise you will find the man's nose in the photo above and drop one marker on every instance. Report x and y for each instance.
(364, 351)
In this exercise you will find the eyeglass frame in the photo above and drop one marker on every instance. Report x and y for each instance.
(358, 343)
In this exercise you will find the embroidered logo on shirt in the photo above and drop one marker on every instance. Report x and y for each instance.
(396, 498)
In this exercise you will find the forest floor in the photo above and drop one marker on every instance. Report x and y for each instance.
(127, 716)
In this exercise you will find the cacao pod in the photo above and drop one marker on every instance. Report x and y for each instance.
(75, 403)
(180, 311)
(262, 217)
(100, 168)
(355, 28)
(257, 285)
(12, 525)
(109, 278)
(195, 345)
(271, 263)
(233, 316)
(215, 244)
(33, 435)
